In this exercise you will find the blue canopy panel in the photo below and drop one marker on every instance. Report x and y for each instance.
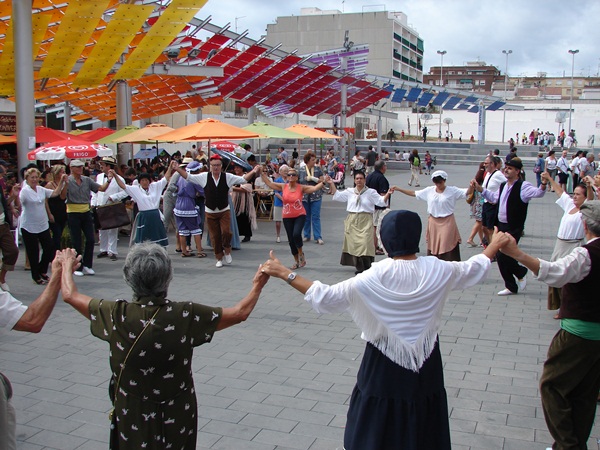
(425, 98)
(388, 87)
(399, 95)
(450, 104)
(496, 105)
(470, 99)
(413, 95)
(441, 98)
(463, 106)
(474, 109)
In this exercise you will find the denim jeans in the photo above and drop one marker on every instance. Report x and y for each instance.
(313, 219)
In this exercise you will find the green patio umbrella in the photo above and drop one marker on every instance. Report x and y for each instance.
(117, 134)
(271, 131)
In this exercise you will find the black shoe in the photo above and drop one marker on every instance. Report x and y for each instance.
(113, 257)
(246, 239)
(102, 255)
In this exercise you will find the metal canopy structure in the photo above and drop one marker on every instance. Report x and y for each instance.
(81, 49)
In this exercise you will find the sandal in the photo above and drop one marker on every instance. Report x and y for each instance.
(40, 282)
(178, 250)
(187, 255)
(201, 254)
(295, 266)
(471, 244)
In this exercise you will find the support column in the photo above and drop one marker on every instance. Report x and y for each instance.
(379, 133)
(251, 115)
(481, 124)
(123, 91)
(67, 117)
(344, 110)
(25, 103)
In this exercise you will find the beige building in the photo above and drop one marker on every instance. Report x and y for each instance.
(395, 49)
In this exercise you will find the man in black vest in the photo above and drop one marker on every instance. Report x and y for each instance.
(380, 183)
(512, 199)
(216, 186)
(571, 377)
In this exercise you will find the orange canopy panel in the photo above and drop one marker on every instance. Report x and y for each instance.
(311, 132)
(207, 129)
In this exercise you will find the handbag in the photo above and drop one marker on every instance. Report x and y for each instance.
(113, 215)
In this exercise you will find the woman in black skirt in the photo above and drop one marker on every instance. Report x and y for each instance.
(399, 401)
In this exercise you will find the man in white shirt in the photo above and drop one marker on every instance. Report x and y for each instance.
(16, 316)
(571, 377)
(575, 167)
(562, 165)
(216, 184)
(492, 180)
(112, 194)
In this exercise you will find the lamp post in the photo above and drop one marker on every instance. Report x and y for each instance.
(506, 52)
(441, 53)
(572, 52)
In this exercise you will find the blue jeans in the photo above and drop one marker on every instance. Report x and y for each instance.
(313, 219)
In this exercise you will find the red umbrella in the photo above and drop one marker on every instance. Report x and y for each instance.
(94, 135)
(45, 134)
(69, 148)
(225, 146)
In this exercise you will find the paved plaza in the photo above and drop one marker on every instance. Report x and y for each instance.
(283, 379)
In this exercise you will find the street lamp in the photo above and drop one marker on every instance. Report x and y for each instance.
(506, 52)
(572, 52)
(441, 53)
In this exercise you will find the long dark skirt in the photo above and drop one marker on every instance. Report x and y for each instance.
(148, 226)
(396, 408)
(452, 255)
(244, 225)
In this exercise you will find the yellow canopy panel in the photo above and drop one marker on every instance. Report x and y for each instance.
(171, 22)
(122, 28)
(39, 24)
(79, 22)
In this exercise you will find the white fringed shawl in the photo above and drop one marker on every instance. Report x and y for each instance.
(398, 304)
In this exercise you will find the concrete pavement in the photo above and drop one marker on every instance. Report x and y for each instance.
(283, 379)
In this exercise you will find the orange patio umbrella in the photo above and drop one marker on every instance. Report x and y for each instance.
(311, 132)
(7, 139)
(150, 134)
(206, 130)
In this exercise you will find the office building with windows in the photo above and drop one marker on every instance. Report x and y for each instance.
(395, 49)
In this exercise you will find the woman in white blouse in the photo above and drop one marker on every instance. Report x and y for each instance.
(442, 234)
(359, 248)
(148, 225)
(399, 400)
(570, 231)
(35, 228)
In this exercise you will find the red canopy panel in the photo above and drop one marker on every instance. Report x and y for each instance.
(222, 57)
(213, 43)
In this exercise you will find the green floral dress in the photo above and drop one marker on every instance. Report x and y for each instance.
(155, 406)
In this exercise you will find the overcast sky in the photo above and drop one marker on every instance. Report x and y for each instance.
(539, 32)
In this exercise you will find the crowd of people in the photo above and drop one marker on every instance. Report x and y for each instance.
(399, 397)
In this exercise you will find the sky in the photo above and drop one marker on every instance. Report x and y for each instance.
(540, 33)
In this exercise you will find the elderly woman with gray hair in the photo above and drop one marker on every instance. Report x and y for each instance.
(151, 343)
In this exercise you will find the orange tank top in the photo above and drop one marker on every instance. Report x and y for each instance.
(292, 202)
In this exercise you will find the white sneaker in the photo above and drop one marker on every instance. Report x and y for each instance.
(305, 239)
(522, 283)
(78, 273)
(506, 292)
(219, 263)
(278, 240)
(4, 287)
(228, 259)
(88, 271)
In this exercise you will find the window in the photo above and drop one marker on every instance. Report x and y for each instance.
(559, 82)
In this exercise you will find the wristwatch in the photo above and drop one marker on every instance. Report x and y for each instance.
(291, 277)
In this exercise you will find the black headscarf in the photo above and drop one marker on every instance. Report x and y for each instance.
(401, 232)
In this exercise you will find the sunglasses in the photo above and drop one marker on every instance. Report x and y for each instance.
(292, 175)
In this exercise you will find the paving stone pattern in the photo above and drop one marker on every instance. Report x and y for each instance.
(283, 379)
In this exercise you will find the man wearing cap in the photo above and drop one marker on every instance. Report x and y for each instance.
(79, 214)
(112, 194)
(512, 198)
(571, 377)
(216, 186)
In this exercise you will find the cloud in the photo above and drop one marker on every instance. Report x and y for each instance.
(539, 33)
